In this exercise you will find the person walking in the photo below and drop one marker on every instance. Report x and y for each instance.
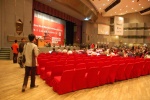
(20, 55)
(14, 47)
(30, 52)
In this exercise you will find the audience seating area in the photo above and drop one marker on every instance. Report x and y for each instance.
(67, 73)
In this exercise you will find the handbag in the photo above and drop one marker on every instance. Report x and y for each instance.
(23, 59)
(23, 56)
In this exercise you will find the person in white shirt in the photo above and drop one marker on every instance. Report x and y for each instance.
(147, 55)
(30, 52)
(64, 50)
(69, 51)
(59, 50)
(94, 52)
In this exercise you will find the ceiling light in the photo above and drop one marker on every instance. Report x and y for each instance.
(142, 7)
(100, 8)
(103, 4)
(126, 6)
(115, 12)
(120, 9)
(148, 0)
(135, 10)
(132, 1)
(107, 0)
(132, 8)
(139, 4)
(86, 18)
(126, 11)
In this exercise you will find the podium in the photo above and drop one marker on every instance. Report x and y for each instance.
(40, 42)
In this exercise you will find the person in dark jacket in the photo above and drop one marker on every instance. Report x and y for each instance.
(20, 56)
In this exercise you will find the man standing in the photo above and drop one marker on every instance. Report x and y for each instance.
(14, 47)
(20, 55)
(30, 52)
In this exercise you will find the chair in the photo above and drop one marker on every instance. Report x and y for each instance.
(103, 74)
(69, 67)
(146, 68)
(121, 72)
(81, 65)
(112, 74)
(48, 71)
(137, 69)
(92, 77)
(79, 81)
(63, 84)
(128, 70)
(57, 71)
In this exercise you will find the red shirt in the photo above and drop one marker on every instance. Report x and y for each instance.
(15, 47)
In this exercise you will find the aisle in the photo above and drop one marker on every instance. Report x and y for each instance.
(11, 78)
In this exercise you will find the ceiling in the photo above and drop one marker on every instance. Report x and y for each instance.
(124, 7)
(91, 9)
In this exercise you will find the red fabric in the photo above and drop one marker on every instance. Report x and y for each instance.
(137, 69)
(63, 84)
(92, 77)
(80, 65)
(121, 72)
(128, 70)
(103, 75)
(57, 71)
(79, 81)
(146, 68)
(113, 72)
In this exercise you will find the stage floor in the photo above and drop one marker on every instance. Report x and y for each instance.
(11, 78)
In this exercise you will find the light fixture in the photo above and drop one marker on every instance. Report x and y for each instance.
(126, 5)
(86, 19)
(120, 9)
(142, 7)
(103, 4)
(139, 4)
(132, 8)
(133, 1)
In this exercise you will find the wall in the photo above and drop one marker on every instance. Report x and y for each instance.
(12, 10)
(90, 31)
(0, 23)
(136, 18)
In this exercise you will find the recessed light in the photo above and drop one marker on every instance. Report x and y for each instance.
(103, 4)
(100, 8)
(142, 7)
(132, 1)
(126, 6)
(132, 8)
(107, 0)
(139, 4)
(115, 12)
(126, 11)
(120, 9)
(135, 10)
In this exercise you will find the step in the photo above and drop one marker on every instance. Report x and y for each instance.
(4, 51)
(4, 58)
(4, 55)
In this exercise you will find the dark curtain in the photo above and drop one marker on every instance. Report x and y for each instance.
(69, 33)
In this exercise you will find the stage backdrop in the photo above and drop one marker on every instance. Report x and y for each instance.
(49, 28)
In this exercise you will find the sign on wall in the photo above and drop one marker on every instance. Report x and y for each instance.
(49, 28)
(103, 29)
(118, 25)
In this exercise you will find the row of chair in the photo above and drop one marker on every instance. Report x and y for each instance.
(55, 74)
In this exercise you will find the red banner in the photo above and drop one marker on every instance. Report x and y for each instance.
(51, 31)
